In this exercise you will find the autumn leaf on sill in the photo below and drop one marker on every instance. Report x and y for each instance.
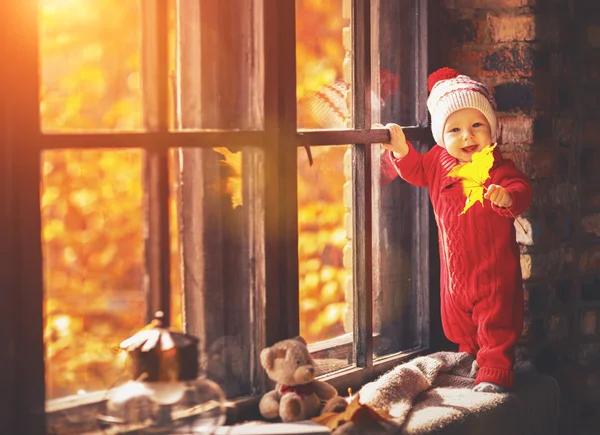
(354, 412)
(474, 174)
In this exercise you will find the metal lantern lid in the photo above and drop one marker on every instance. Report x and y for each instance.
(159, 354)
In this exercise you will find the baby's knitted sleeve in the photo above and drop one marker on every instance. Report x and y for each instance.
(414, 167)
(516, 183)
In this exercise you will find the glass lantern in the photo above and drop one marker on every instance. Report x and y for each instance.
(164, 393)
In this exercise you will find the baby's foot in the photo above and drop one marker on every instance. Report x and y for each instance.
(488, 387)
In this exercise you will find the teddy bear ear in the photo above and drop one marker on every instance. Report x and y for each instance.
(267, 357)
(300, 339)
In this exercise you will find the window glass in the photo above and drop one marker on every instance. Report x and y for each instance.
(398, 63)
(400, 227)
(90, 58)
(325, 254)
(92, 217)
(323, 64)
(92, 238)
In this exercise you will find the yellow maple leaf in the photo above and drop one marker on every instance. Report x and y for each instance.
(474, 174)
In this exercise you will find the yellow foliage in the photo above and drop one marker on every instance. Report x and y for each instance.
(92, 201)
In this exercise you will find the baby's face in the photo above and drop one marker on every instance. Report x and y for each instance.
(466, 132)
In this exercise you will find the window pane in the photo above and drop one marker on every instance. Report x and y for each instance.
(398, 63)
(400, 286)
(90, 56)
(325, 254)
(220, 60)
(91, 205)
(324, 65)
(221, 209)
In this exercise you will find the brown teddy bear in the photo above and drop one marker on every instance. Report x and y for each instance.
(297, 394)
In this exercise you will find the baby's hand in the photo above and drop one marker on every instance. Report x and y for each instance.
(398, 143)
(499, 196)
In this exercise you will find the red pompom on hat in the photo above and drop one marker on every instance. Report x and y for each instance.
(444, 73)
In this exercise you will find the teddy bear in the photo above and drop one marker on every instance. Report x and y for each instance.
(297, 394)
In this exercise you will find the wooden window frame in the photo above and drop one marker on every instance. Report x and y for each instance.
(22, 142)
(365, 140)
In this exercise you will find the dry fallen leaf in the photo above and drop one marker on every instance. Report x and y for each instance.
(355, 412)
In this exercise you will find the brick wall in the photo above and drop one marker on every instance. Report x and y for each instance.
(542, 60)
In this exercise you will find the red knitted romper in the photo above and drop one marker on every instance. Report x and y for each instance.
(481, 284)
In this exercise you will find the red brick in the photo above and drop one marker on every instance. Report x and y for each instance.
(467, 62)
(526, 332)
(590, 198)
(590, 259)
(561, 64)
(589, 323)
(550, 31)
(589, 354)
(550, 194)
(543, 131)
(591, 389)
(564, 132)
(589, 8)
(540, 298)
(534, 331)
(526, 266)
(515, 60)
(509, 28)
(513, 130)
(590, 97)
(538, 164)
(467, 31)
(591, 132)
(551, 263)
(591, 63)
(545, 94)
(511, 96)
(590, 176)
(558, 327)
(593, 36)
(547, 229)
(526, 298)
(591, 224)
(588, 287)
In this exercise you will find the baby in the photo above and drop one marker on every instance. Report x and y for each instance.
(481, 283)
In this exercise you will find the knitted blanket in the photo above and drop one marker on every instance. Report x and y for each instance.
(433, 394)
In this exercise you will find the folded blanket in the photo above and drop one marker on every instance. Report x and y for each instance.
(433, 394)
(397, 389)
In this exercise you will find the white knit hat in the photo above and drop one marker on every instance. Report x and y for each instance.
(450, 91)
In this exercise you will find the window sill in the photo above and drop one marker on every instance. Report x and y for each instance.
(530, 409)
